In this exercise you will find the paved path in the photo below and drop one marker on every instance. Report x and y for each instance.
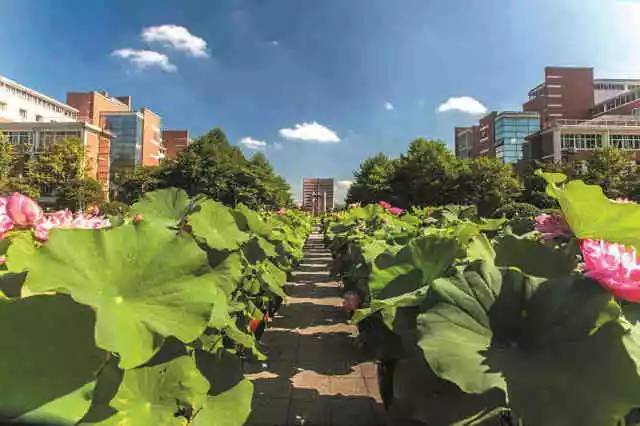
(315, 375)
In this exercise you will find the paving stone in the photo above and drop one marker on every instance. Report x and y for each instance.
(316, 374)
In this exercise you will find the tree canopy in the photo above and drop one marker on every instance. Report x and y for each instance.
(211, 166)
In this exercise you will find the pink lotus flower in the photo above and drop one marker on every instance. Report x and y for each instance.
(350, 301)
(6, 224)
(614, 266)
(385, 205)
(22, 210)
(281, 211)
(552, 226)
(396, 211)
(64, 219)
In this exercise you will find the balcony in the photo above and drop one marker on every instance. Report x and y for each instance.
(565, 122)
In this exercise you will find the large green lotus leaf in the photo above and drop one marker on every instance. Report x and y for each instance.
(163, 206)
(158, 394)
(416, 264)
(20, 251)
(272, 278)
(258, 249)
(49, 361)
(533, 257)
(213, 222)
(230, 408)
(422, 396)
(229, 401)
(228, 273)
(250, 221)
(555, 347)
(614, 222)
(480, 248)
(145, 284)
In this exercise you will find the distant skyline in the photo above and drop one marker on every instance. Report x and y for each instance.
(315, 85)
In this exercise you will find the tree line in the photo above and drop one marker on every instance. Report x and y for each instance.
(428, 174)
(210, 166)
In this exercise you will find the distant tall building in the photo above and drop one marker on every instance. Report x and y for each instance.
(175, 141)
(317, 195)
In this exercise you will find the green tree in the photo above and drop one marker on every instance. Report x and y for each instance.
(613, 169)
(79, 193)
(426, 175)
(373, 180)
(488, 183)
(129, 186)
(212, 166)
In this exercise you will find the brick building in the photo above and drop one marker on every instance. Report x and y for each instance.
(317, 195)
(137, 137)
(175, 141)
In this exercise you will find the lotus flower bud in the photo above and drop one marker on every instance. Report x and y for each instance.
(396, 211)
(6, 224)
(22, 210)
(350, 301)
(138, 218)
(552, 226)
(385, 205)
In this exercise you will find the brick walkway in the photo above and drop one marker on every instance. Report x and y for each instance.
(315, 374)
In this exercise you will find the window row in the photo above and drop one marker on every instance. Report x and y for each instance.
(581, 141)
(631, 142)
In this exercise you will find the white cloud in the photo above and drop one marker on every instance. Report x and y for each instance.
(278, 146)
(388, 106)
(465, 104)
(177, 37)
(310, 132)
(143, 59)
(275, 42)
(341, 189)
(251, 143)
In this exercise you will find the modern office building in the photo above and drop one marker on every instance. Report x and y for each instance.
(22, 104)
(175, 141)
(510, 132)
(34, 138)
(464, 141)
(317, 195)
(499, 134)
(137, 136)
(571, 139)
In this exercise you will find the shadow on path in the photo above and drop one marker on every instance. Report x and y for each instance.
(315, 373)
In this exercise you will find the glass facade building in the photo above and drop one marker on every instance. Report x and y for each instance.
(126, 146)
(511, 129)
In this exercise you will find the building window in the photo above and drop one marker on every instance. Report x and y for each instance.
(629, 142)
(581, 142)
(3, 106)
(23, 114)
(38, 117)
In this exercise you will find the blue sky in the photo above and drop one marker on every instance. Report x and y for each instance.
(371, 73)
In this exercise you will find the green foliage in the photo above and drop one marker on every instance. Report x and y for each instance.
(372, 181)
(40, 335)
(429, 175)
(142, 323)
(614, 222)
(501, 325)
(211, 166)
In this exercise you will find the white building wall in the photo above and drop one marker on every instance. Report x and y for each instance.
(21, 104)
